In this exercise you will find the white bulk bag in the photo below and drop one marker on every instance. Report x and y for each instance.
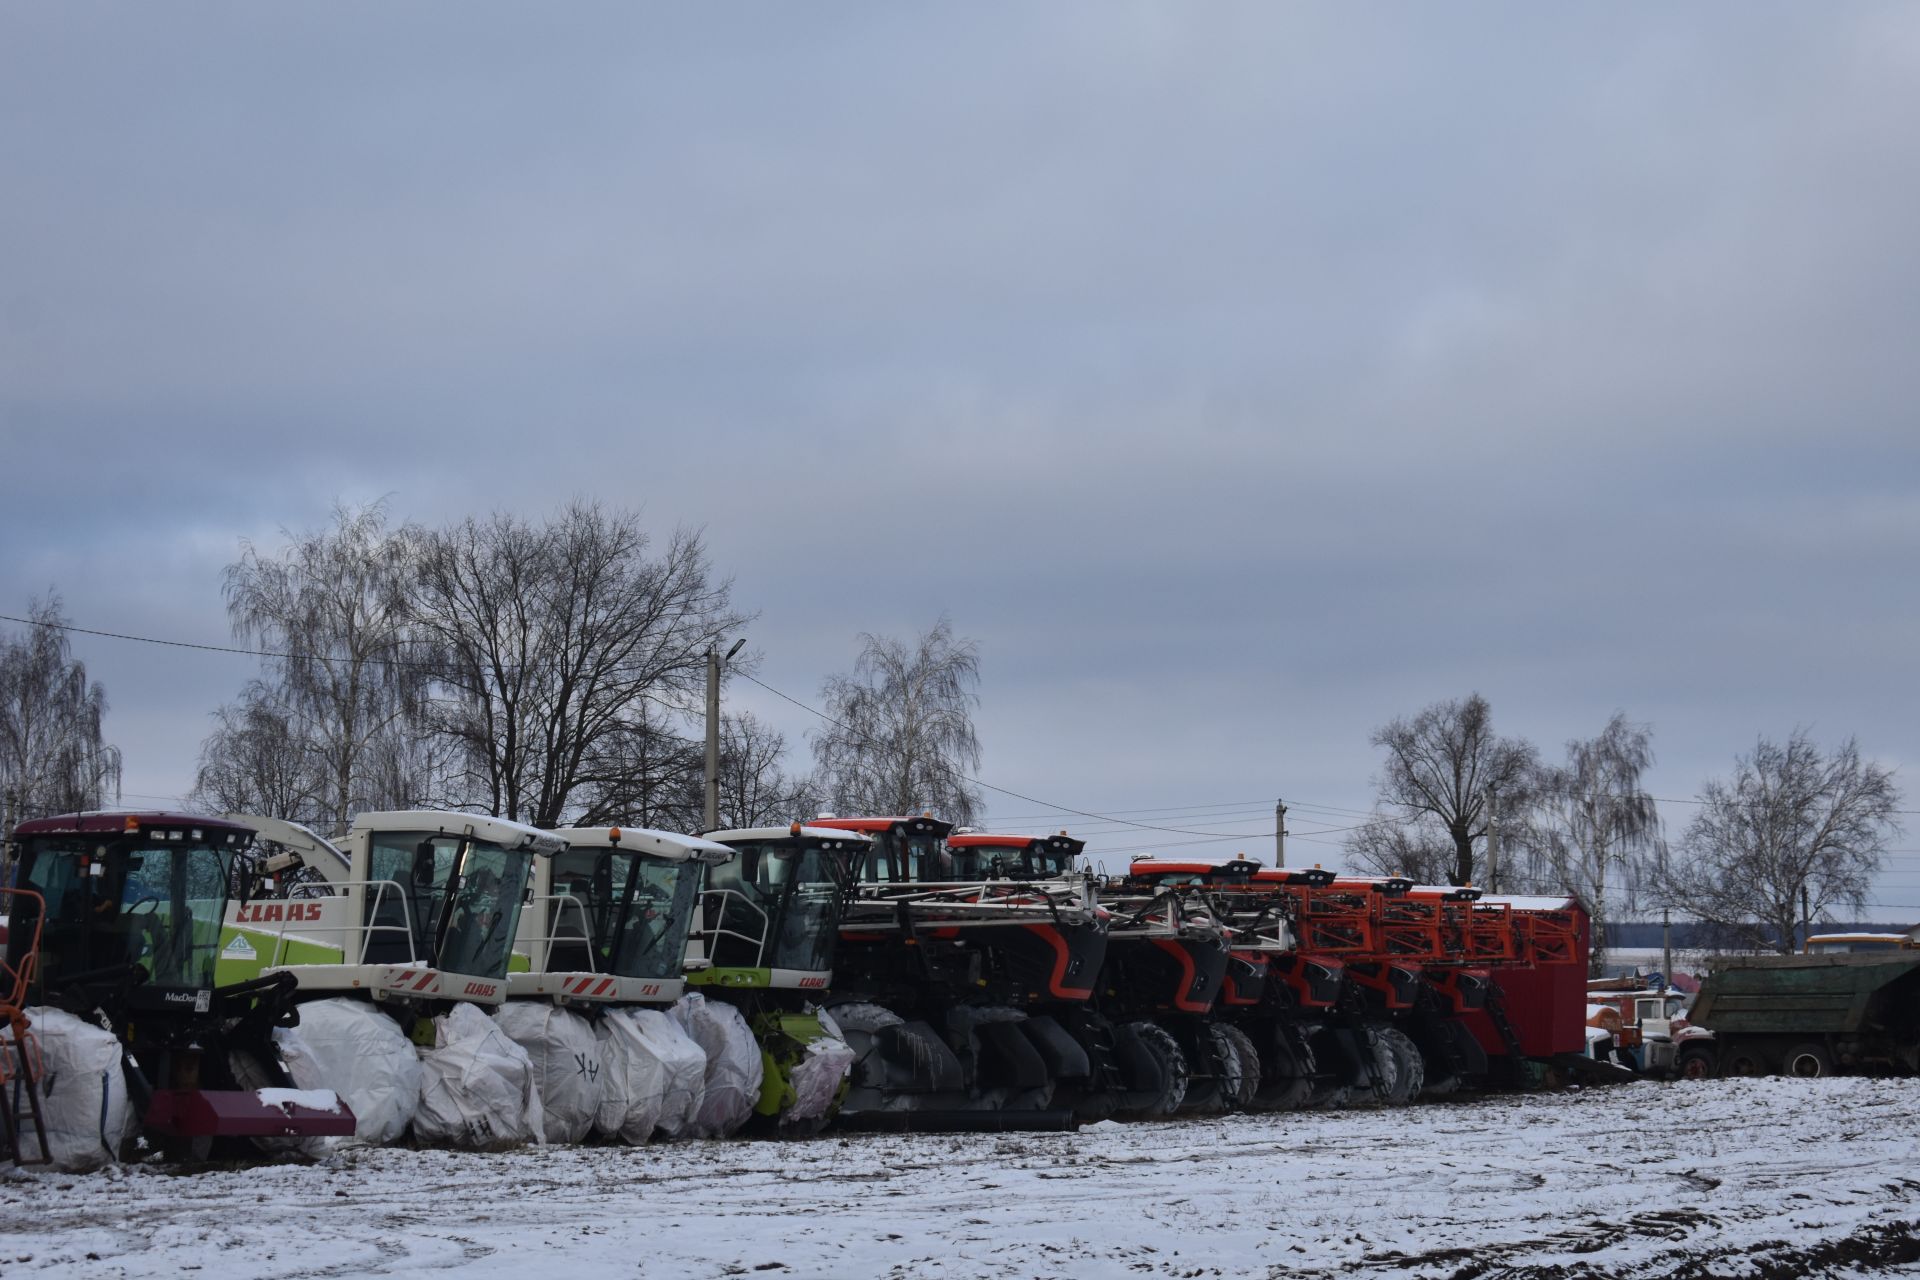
(683, 1066)
(477, 1090)
(734, 1067)
(83, 1093)
(816, 1077)
(566, 1064)
(354, 1049)
(633, 1080)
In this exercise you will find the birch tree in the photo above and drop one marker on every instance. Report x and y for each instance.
(1795, 834)
(903, 739)
(1593, 827)
(54, 757)
(350, 674)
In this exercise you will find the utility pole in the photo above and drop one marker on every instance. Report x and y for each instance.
(1806, 920)
(714, 663)
(1666, 943)
(1279, 834)
(1493, 839)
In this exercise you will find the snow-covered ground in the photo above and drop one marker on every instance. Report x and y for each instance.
(1772, 1178)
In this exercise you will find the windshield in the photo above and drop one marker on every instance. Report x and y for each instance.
(776, 906)
(1048, 860)
(636, 912)
(894, 858)
(129, 900)
(463, 894)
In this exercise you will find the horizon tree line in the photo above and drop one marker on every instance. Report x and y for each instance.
(550, 671)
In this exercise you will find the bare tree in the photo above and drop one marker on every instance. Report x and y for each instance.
(568, 652)
(53, 755)
(1593, 828)
(258, 760)
(904, 729)
(1439, 766)
(754, 789)
(1418, 849)
(354, 676)
(1795, 834)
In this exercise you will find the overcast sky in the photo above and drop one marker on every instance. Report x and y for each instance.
(1237, 376)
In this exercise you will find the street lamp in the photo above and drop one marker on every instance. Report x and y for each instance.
(714, 662)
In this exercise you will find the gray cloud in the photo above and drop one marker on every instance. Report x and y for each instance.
(1239, 379)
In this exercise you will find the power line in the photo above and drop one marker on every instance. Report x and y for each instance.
(1060, 808)
(218, 648)
(1054, 808)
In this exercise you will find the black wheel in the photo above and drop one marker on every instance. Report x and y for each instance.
(1809, 1061)
(1743, 1062)
(1289, 1082)
(1410, 1069)
(1171, 1064)
(1695, 1063)
(1379, 1086)
(863, 1016)
(1239, 1065)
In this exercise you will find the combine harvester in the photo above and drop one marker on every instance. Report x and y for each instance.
(610, 916)
(1387, 989)
(1301, 1022)
(605, 936)
(962, 978)
(403, 938)
(770, 919)
(419, 911)
(116, 920)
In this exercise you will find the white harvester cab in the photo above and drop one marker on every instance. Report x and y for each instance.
(609, 916)
(414, 905)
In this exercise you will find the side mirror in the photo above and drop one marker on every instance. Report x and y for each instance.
(423, 863)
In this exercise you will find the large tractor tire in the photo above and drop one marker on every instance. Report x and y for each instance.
(1169, 1089)
(1378, 1088)
(1409, 1068)
(864, 1016)
(1288, 1085)
(1239, 1065)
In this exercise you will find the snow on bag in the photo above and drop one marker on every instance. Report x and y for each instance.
(734, 1068)
(684, 1067)
(478, 1088)
(633, 1080)
(361, 1054)
(83, 1094)
(816, 1077)
(566, 1065)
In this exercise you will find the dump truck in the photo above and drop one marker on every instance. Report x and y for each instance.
(1808, 1015)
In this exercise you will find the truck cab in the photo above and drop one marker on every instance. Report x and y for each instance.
(610, 915)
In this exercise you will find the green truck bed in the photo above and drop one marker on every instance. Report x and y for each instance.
(1839, 994)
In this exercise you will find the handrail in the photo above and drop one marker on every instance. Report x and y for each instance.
(546, 941)
(21, 976)
(759, 944)
(363, 930)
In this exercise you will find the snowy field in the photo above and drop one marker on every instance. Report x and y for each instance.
(1726, 1178)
